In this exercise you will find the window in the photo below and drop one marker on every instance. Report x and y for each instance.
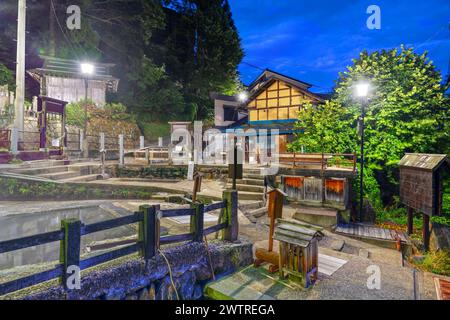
(230, 113)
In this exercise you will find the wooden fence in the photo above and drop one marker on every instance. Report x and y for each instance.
(320, 161)
(149, 240)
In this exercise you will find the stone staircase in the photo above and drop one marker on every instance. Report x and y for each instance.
(255, 211)
(60, 170)
(251, 187)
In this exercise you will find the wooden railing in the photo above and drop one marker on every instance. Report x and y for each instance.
(148, 243)
(320, 161)
(152, 154)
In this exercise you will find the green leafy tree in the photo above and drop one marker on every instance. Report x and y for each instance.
(407, 112)
(6, 77)
(329, 127)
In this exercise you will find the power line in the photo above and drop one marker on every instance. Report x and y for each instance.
(60, 27)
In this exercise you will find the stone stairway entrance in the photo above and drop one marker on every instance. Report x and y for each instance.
(60, 170)
(251, 186)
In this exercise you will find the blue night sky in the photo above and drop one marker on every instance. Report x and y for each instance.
(314, 40)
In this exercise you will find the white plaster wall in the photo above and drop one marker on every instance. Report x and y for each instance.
(219, 112)
(73, 90)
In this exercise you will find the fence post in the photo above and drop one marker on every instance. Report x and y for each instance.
(141, 142)
(69, 253)
(230, 215)
(121, 150)
(81, 136)
(102, 141)
(14, 141)
(196, 226)
(149, 231)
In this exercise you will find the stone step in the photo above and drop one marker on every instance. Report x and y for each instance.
(43, 163)
(252, 176)
(80, 167)
(257, 213)
(245, 195)
(323, 217)
(248, 187)
(60, 175)
(251, 205)
(84, 178)
(254, 182)
(43, 170)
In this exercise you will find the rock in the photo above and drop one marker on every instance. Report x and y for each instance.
(418, 259)
(337, 245)
(364, 253)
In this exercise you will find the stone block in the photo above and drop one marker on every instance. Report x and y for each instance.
(337, 245)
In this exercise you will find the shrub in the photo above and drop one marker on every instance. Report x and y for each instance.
(437, 262)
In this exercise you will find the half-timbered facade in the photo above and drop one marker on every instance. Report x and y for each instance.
(274, 103)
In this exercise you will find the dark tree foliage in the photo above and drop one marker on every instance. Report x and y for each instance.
(168, 54)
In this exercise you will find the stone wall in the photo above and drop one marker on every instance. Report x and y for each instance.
(133, 279)
(171, 172)
(153, 172)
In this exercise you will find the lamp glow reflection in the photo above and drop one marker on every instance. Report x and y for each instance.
(362, 90)
(87, 68)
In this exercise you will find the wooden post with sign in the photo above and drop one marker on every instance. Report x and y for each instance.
(275, 211)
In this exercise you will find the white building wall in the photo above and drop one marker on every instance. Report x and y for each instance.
(73, 90)
(219, 112)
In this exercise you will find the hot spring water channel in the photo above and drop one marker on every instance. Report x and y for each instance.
(20, 225)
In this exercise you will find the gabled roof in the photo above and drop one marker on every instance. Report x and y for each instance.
(65, 68)
(268, 77)
(268, 74)
(295, 232)
(423, 161)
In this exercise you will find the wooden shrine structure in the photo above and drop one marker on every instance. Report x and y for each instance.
(46, 108)
(299, 251)
(421, 187)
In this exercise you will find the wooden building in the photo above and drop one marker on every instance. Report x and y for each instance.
(421, 187)
(273, 103)
(62, 79)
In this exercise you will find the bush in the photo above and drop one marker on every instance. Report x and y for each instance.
(436, 262)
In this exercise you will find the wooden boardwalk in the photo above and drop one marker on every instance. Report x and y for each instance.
(369, 232)
(329, 265)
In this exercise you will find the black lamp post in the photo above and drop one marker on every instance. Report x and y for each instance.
(362, 90)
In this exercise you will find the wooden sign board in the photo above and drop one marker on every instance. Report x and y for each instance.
(416, 189)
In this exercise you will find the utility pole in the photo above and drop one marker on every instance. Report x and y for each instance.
(20, 67)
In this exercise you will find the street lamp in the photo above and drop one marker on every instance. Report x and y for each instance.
(87, 70)
(243, 96)
(362, 92)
